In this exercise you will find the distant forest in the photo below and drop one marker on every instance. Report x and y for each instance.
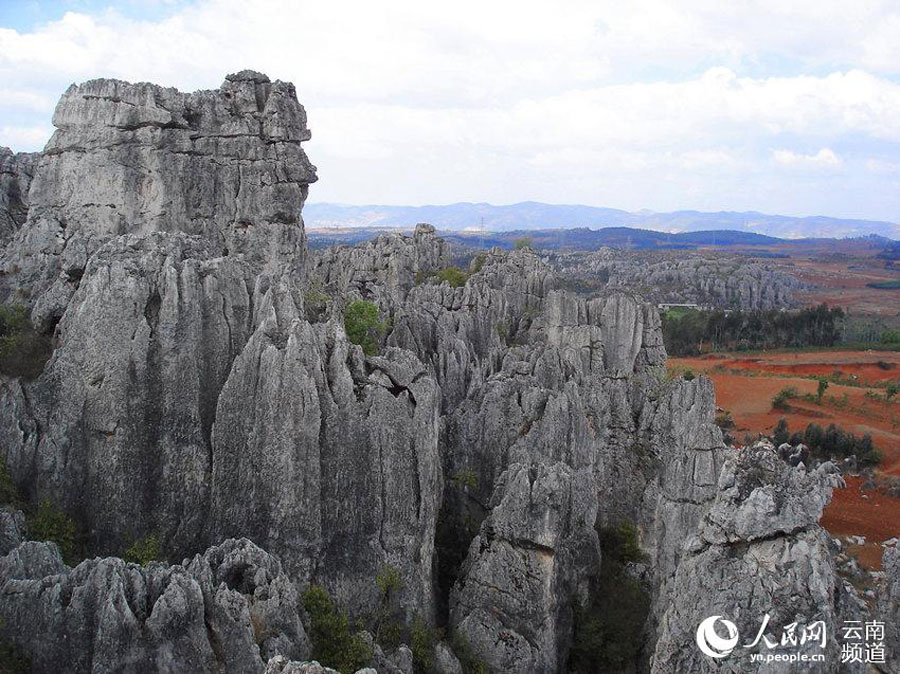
(688, 332)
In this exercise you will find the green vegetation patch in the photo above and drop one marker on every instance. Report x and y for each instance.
(831, 442)
(334, 643)
(885, 285)
(144, 550)
(23, 350)
(455, 276)
(608, 633)
(363, 326)
(51, 523)
(688, 332)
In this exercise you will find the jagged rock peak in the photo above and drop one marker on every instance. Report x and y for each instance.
(248, 76)
(224, 164)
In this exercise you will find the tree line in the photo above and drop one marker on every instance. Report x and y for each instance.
(688, 333)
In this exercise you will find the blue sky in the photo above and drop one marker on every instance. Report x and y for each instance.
(695, 104)
(27, 15)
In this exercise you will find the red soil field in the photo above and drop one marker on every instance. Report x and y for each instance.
(746, 384)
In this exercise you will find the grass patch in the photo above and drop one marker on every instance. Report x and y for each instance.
(455, 276)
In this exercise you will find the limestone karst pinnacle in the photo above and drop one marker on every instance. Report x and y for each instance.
(224, 164)
(203, 390)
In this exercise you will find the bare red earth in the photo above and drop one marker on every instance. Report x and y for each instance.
(745, 386)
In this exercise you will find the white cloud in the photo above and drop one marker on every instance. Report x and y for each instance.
(823, 158)
(25, 137)
(634, 104)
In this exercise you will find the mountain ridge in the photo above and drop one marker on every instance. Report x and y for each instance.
(528, 215)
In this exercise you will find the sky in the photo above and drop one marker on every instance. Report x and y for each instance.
(766, 105)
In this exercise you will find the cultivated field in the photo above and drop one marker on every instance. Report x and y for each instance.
(746, 384)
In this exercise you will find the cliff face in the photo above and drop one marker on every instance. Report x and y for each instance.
(16, 172)
(203, 388)
(139, 158)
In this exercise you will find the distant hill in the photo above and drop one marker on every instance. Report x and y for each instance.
(623, 238)
(530, 215)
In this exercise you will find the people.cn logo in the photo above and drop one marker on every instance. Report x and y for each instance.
(711, 643)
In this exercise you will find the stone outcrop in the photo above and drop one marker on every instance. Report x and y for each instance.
(888, 608)
(203, 388)
(16, 173)
(513, 603)
(759, 551)
(714, 280)
(230, 609)
(139, 158)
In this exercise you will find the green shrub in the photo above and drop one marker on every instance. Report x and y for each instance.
(688, 375)
(455, 276)
(820, 389)
(782, 398)
(334, 644)
(471, 664)
(891, 391)
(465, 478)
(388, 621)
(13, 659)
(890, 337)
(316, 303)
(477, 263)
(422, 640)
(389, 580)
(363, 327)
(521, 244)
(608, 631)
(9, 495)
(50, 523)
(144, 550)
(832, 442)
(23, 350)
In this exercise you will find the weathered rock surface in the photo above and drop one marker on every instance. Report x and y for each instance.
(888, 608)
(12, 529)
(513, 603)
(334, 455)
(139, 158)
(16, 173)
(759, 551)
(117, 429)
(723, 281)
(229, 609)
(203, 388)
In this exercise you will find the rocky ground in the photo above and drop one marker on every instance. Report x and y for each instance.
(491, 455)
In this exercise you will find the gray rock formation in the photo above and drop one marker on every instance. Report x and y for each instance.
(513, 603)
(230, 609)
(715, 280)
(16, 173)
(139, 158)
(759, 551)
(888, 608)
(203, 388)
(12, 529)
